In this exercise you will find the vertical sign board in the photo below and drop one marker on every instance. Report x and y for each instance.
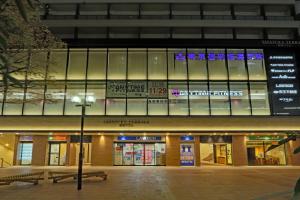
(283, 82)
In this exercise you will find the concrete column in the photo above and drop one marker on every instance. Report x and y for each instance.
(39, 151)
(293, 159)
(102, 150)
(173, 150)
(197, 150)
(68, 151)
(72, 154)
(239, 150)
(16, 151)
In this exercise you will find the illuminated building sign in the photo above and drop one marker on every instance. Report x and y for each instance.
(177, 93)
(217, 56)
(187, 138)
(283, 83)
(139, 138)
(57, 138)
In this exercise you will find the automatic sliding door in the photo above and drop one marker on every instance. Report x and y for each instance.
(54, 154)
(149, 154)
(128, 154)
(26, 153)
(138, 154)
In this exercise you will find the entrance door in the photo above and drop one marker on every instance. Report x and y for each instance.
(57, 154)
(138, 154)
(128, 154)
(149, 154)
(26, 153)
(86, 151)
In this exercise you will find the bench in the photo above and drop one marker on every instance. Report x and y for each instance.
(58, 176)
(28, 178)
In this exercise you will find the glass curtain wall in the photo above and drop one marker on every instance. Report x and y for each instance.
(144, 81)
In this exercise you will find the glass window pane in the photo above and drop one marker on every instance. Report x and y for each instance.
(115, 106)
(197, 64)
(1, 96)
(14, 101)
(136, 106)
(117, 60)
(236, 64)
(97, 91)
(178, 98)
(55, 94)
(199, 101)
(157, 98)
(33, 104)
(57, 64)
(38, 65)
(20, 61)
(256, 64)
(259, 99)
(219, 98)
(137, 64)
(97, 64)
(177, 64)
(239, 97)
(74, 89)
(116, 89)
(157, 64)
(77, 64)
(216, 64)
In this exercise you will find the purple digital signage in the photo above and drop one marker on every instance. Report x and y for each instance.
(217, 56)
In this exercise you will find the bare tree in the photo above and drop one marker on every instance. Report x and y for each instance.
(22, 39)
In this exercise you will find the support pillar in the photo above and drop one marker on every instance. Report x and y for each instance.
(39, 151)
(102, 150)
(293, 159)
(197, 150)
(173, 150)
(239, 150)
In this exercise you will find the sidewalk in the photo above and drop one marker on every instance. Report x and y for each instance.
(166, 183)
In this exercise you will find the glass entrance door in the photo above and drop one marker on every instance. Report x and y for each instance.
(57, 154)
(139, 154)
(26, 153)
(149, 154)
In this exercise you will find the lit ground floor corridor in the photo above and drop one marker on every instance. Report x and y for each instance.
(155, 183)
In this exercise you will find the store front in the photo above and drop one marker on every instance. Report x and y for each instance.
(57, 150)
(260, 150)
(25, 150)
(140, 151)
(87, 148)
(216, 150)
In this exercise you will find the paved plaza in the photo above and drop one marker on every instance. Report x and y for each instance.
(155, 183)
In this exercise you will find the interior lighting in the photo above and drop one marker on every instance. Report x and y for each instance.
(76, 99)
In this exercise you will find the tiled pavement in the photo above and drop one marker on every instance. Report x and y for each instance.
(166, 183)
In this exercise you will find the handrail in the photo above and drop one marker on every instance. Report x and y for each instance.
(3, 162)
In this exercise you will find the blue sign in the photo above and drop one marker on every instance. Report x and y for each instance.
(187, 138)
(139, 138)
(187, 155)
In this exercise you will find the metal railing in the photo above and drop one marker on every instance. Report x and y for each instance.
(3, 162)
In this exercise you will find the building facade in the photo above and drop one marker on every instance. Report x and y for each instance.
(169, 83)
